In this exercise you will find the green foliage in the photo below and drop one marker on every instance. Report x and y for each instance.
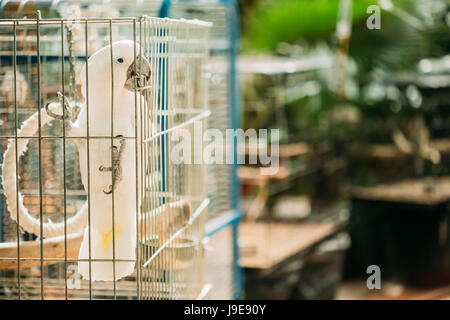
(396, 46)
(275, 21)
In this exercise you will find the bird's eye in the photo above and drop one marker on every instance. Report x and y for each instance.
(120, 60)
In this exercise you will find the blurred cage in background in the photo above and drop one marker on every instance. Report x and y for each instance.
(41, 58)
(299, 201)
(287, 93)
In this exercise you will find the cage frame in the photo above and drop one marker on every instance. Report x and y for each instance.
(38, 22)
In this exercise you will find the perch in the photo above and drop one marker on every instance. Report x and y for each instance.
(178, 214)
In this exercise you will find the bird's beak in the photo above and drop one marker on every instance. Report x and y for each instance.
(138, 74)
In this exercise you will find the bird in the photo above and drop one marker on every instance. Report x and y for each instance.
(112, 158)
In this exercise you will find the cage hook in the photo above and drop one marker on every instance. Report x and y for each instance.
(140, 81)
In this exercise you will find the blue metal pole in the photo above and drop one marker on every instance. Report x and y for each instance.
(164, 11)
(236, 120)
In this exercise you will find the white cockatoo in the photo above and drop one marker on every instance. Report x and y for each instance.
(111, 170)
(110, 167)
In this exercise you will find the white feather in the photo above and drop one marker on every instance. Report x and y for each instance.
(101, 204)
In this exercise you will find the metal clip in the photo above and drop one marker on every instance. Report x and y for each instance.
(140, 82)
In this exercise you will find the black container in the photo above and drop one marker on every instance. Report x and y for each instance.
(409, 242)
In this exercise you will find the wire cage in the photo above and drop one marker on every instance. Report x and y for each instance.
(223, 183)
(225, 102)
(86, 9)
(104, 8)
(92, 205)
(292, 93)
(222, 14)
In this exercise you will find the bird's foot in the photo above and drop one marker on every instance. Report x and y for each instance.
(109, 190)
(116, 168)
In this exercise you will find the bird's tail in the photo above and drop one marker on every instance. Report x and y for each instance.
(17, 210)
(103, 261)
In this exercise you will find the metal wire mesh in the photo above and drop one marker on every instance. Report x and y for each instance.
(220, 262)
(107, 8)
(80, 8)
(223, 186)
(41, 57)
(220, 175)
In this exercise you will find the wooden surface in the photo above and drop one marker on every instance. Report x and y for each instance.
(284, 150)
(263, 245)
(357, 290)
(385, 151)
(391, 151)
(53, 248)
(253, 176)
(426, 191)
